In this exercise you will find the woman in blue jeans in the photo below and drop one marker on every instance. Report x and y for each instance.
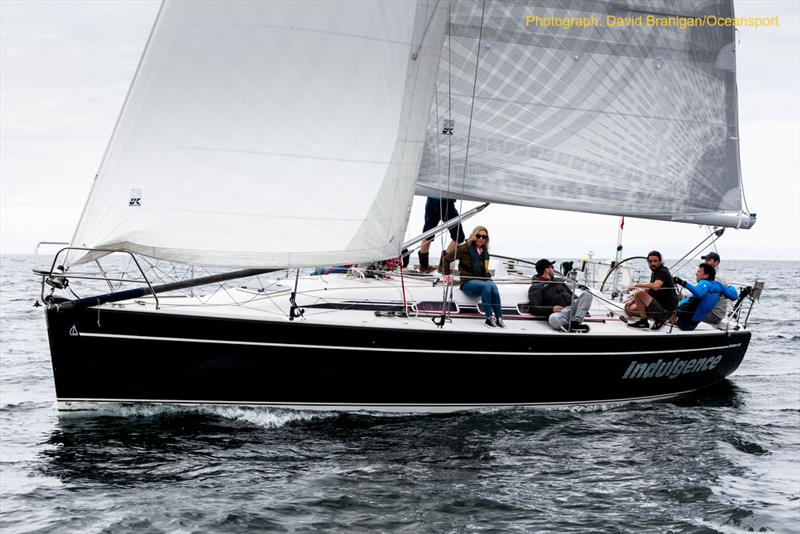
(473, 269)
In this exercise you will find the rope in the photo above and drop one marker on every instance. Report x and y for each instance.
(403, 285)
(472, 102)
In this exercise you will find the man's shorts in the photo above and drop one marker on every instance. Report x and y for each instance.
(657, 312)
(442, 209)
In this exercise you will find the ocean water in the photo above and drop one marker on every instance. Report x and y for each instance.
(726, 459)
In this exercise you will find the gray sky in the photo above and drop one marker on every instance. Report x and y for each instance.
(65, 67)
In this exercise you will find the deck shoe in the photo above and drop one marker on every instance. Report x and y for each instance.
(641, 323)
(575, 327)
(491, 322)
(657, 325)
(500, 322)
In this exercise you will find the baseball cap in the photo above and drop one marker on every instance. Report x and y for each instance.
(711, 256)
(543, 264)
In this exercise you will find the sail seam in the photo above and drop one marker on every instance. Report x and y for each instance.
(590, 110)
(292, 155)
(325, 32)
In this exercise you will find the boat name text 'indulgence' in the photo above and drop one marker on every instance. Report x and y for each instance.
(673, 368)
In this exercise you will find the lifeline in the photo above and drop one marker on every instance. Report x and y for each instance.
(673, 369)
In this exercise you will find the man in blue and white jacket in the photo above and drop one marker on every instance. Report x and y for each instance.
(704, 296)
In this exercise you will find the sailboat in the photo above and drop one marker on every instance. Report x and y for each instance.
(265, 137)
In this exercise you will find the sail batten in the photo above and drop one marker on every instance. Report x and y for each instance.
(629, 120)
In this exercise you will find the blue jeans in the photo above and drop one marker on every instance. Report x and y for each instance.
(490, 296)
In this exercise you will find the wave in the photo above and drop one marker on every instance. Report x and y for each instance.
(263, 417)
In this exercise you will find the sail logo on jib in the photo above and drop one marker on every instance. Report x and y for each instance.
(135, 198)
(671, 369)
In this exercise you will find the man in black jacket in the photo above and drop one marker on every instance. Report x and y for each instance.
(554, 300)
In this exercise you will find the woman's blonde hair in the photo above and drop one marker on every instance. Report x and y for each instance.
(471, 238)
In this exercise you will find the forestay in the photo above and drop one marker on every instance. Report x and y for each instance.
(270, 134)
(618, 119)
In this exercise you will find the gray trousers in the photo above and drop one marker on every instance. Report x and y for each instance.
(581, 306)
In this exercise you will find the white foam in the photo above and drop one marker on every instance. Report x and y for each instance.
(265, 417)
(261, 416)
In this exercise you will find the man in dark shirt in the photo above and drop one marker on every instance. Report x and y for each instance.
(554, 300)
(660, 299)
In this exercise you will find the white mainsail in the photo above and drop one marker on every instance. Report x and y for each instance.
(619, 119)
(270, 134)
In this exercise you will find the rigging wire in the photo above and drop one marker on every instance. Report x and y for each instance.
(442, 239)
(449, 116)
(415, 54)
(472, 101)
(684, 260)
(449, 295)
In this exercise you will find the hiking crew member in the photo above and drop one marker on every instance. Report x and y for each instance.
(716, 315)
(660, 299)
(704, 296)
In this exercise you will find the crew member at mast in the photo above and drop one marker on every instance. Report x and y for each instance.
(439, 209)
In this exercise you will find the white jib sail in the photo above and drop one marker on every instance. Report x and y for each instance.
(601, 106)
(270, 134)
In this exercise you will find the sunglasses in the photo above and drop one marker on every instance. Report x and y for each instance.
(481, 236)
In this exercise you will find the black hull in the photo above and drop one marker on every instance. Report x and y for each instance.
(121, 356)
